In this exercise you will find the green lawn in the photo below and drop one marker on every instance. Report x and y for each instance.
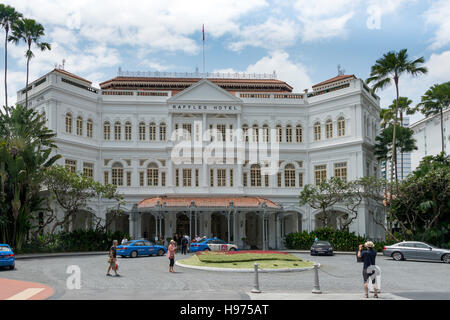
(247, 261)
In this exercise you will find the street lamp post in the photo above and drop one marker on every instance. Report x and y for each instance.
(263, 206)
(230, 208)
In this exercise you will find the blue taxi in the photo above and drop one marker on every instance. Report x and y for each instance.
(135, 248)
(7, 258)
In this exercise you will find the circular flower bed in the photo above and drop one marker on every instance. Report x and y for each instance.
(245, 260)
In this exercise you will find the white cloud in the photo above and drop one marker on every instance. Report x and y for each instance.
(273, 33)
(438, 15)
(294, 74)
(324, 19)
(162, 25)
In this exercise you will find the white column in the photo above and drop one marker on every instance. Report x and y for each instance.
(204, 165)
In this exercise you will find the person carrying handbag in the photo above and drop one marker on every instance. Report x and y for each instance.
(368, 257)
(112, 259)
(171, 254)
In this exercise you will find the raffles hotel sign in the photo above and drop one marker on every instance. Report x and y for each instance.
(203, 108)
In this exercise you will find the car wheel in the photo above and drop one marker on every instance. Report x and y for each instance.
(207, 249)
(397, 256)
(233, 249)
(160, 252)
(134, 254)
(12, 267)
(446, 258)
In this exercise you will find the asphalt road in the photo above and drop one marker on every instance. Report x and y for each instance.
(148, 278)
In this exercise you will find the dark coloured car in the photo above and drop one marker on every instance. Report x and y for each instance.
(322, 248)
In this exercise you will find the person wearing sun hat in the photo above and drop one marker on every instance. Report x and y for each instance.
(368, 257)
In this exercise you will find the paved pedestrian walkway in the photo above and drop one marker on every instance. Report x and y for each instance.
(21, 290)
(322, 296)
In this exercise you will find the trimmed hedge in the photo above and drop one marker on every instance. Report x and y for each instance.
(340, 240)
(75, 241)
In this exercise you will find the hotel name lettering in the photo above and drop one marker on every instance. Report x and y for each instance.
(204, 108)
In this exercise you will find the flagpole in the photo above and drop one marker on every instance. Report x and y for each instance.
(204, 73)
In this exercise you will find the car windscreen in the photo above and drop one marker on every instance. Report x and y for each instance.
(129, 243)
(322, 243)
(3, 249)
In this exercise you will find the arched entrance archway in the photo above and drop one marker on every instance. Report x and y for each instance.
(82, 220)
(117, 223)
(291, 222)
(253, 230)
(219, 227)
(331, 219)
(182, 225)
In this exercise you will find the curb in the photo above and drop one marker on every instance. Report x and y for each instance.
(243, 270)
(59, 255)
(336, 252)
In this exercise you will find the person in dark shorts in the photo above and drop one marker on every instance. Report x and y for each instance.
(112, 259)
(368, 257)
(171, 254)
(184, 244)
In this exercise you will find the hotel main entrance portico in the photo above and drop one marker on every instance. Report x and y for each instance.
(250, 222)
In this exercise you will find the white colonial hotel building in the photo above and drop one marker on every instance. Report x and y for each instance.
(120, 133)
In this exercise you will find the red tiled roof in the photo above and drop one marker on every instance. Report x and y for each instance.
(64, 72)
(184, 202)
(338, 78)
(173, 83)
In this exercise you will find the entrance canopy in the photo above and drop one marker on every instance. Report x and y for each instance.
(208, 203)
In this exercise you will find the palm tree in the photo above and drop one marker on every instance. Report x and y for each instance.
(8, 17)
(435, 101)
(404, 106)
(30, 32)
(387, 69)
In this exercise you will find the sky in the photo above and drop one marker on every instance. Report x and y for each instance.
(303, 41)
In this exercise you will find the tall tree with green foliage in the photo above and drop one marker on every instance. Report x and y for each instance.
(423, 200)
(30, 32)
(435, 101)
(383, 145)
(25, 154)
(72, 192)
(389, 69)
(323, 196)
(8, 18)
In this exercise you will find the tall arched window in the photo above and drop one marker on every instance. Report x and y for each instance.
(288, 133)
(289, 176)
(79, 126)
(255, 133)
(90, 128)
(341, 127)
(142, 131)
(162, 132)
(107, 131)
(245, 132)
(279, 133)
(317, 131)
(117, 131)
(152, 131)
(68, 123)
(152, 175)
(265, 133)
(329, 129)
(117, 174)
(128, 131)
(299, 133)
(255, 175)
